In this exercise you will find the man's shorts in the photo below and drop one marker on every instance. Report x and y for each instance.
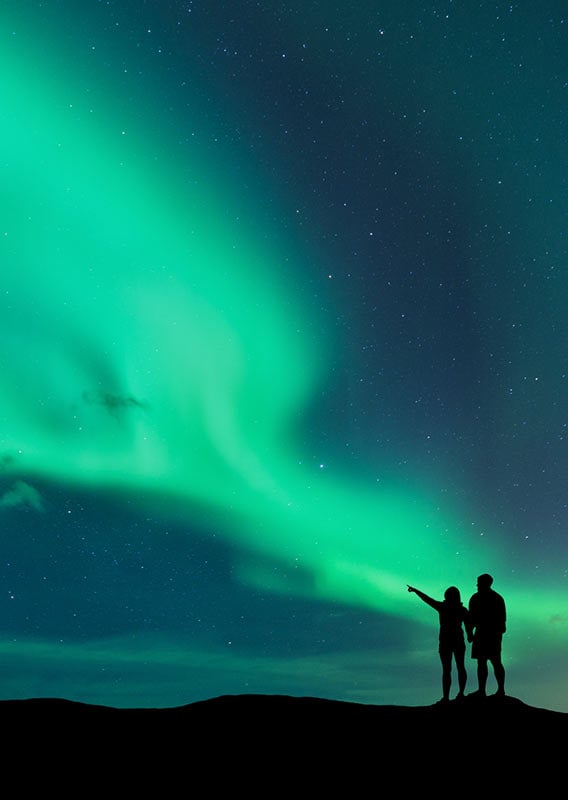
(487, 646)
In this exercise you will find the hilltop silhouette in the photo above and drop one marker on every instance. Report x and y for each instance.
(266, 742)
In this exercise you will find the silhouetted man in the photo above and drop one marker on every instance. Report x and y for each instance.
(488, 620)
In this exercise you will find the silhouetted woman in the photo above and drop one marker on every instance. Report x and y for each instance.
(453, 614)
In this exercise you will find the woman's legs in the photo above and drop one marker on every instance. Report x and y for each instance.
(446, 659)
(462, 674)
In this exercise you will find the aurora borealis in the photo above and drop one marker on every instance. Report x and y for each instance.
(283, 314)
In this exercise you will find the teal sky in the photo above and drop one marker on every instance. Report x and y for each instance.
(282, 300)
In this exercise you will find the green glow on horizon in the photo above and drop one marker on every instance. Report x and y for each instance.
(154, 347)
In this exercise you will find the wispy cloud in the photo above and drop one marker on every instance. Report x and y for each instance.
(114, 403)
(21, 494)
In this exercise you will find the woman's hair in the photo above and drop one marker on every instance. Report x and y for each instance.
(452, 595)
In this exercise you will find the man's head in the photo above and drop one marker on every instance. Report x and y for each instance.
(484, 582)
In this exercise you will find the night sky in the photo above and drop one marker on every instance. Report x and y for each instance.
(283, 311)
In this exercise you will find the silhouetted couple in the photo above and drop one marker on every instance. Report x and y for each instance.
(484, 622)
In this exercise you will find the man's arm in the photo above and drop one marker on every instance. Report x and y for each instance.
(504, 617)
(468, 625)
(472, 621)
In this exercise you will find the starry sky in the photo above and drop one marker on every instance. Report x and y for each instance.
(282, 301)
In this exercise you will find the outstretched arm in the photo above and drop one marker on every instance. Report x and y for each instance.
(431, 602)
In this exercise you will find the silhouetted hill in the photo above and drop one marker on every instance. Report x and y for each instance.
(242, 738)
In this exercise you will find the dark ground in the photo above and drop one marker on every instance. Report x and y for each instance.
(278, 745)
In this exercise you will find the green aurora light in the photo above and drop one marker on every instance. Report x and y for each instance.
(154, 348)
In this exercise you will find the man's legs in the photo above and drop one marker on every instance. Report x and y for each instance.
(499, 671)
(481, 675)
